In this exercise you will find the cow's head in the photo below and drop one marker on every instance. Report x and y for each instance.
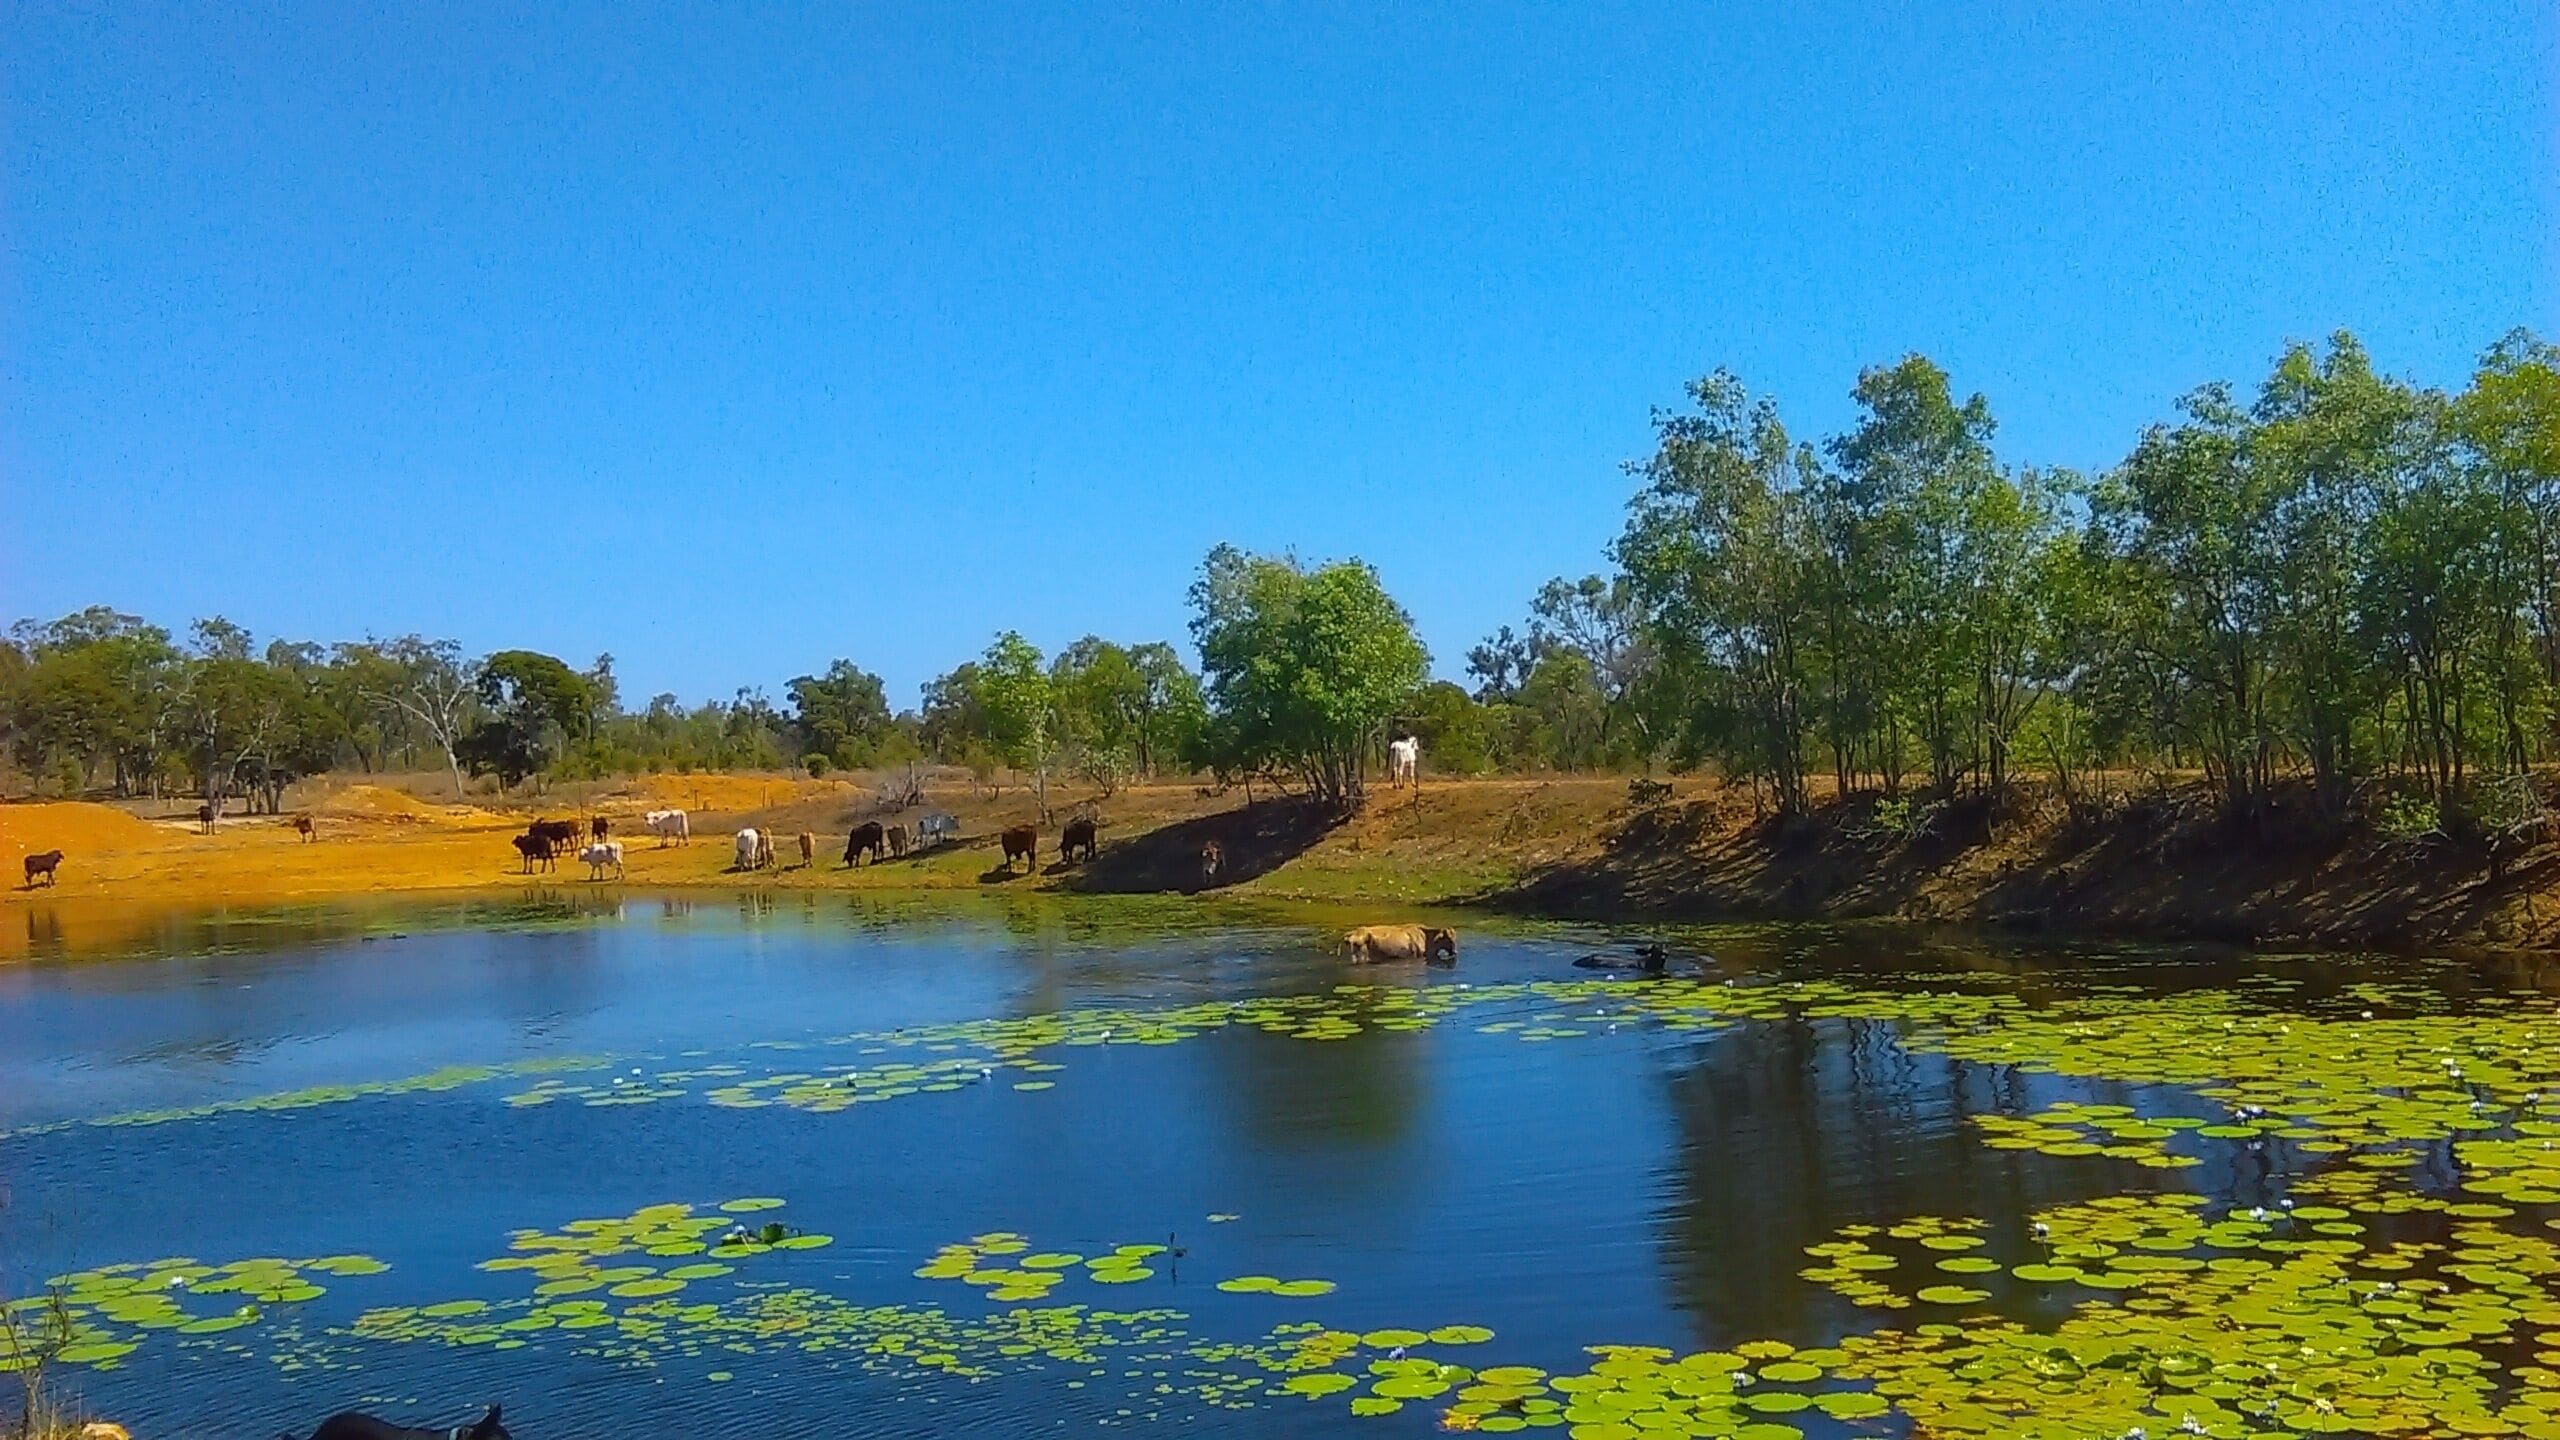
(1439, 946)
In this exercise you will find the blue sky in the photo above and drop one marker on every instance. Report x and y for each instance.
(734, 342)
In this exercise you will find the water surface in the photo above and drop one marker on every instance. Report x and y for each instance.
(1745, 1175)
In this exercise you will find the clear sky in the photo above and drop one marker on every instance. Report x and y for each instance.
(731, 339)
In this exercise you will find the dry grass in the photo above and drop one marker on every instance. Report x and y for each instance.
(1563, 846)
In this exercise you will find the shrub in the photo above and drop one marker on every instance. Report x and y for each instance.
(2409, 818)
(817, 764)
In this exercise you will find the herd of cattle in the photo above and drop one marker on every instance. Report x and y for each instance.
(545, 841)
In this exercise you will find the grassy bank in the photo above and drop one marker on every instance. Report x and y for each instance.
(1564, 847)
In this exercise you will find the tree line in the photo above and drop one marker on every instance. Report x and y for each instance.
(2334, 581)
(1305, 666)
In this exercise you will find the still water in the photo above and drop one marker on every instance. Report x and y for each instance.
(825, 1167)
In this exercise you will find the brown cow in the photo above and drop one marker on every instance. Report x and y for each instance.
(1022, 840)
(1402, 942)
(598, 827)
(537, 849)
(303, 827)
(48, 865)
(561, 835)
(808, 849)
(898, 841)
(866, 837)
(1213, 858)
(1077, 836)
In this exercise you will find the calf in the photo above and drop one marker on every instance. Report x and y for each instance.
(303, 827)
(48, 865)
(597, 828)
(1077, 836)
(1402, 942)
(204, 818)
(601, 856)
(867, 838)
(808, 849)
(1022, 840)
(1213, 858)
(898, 841)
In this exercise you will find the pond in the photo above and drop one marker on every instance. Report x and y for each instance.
(845, 1167)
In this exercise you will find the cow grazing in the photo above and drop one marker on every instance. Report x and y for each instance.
(303, 827)
(748, 846)
(598, 827)
(1404, 761)
(1213, 859)
(537, 850)
(808, 849)
(204, 818)
(601, 856)
(1022, 840)
(48, 866)
(898, 841)
(867, 838)
(669, 826)
(935, 828)
(1402, 942)
(1078, 836)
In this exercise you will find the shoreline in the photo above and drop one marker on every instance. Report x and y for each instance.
(1567, 849)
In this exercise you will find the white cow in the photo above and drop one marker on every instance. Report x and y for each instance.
(669, 825)
(602, 856)
(1404, 761)
(750, 844)
(935, 828)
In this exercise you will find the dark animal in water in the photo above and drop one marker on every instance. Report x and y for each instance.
(1649, 959)
(1077, 836)
(46, 865)
(866, 837)
(1213, 858)
(204, 818)
(537, 849)
(598, 827)
(1022, 840)
(303, 827)
(898, 841)
(350, 1425)
(562, 834)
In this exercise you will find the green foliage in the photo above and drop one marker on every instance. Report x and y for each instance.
(843, 714)
(1304, 667)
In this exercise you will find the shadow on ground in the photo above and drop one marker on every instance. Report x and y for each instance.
(1255, 840)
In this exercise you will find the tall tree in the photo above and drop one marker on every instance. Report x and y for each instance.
(1303, 667)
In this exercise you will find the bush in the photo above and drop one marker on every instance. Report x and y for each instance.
(1903, 818)
(1644, 792)
(817, 764)
(2409, 818)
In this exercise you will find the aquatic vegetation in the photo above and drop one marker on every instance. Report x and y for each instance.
(115, 1310)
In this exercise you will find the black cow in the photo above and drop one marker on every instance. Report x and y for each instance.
(1078, 836)
(866, 837)
(353, 1425)
(48, 865)
(537, 849)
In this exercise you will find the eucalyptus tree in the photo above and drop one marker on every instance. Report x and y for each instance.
(1719, 551)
